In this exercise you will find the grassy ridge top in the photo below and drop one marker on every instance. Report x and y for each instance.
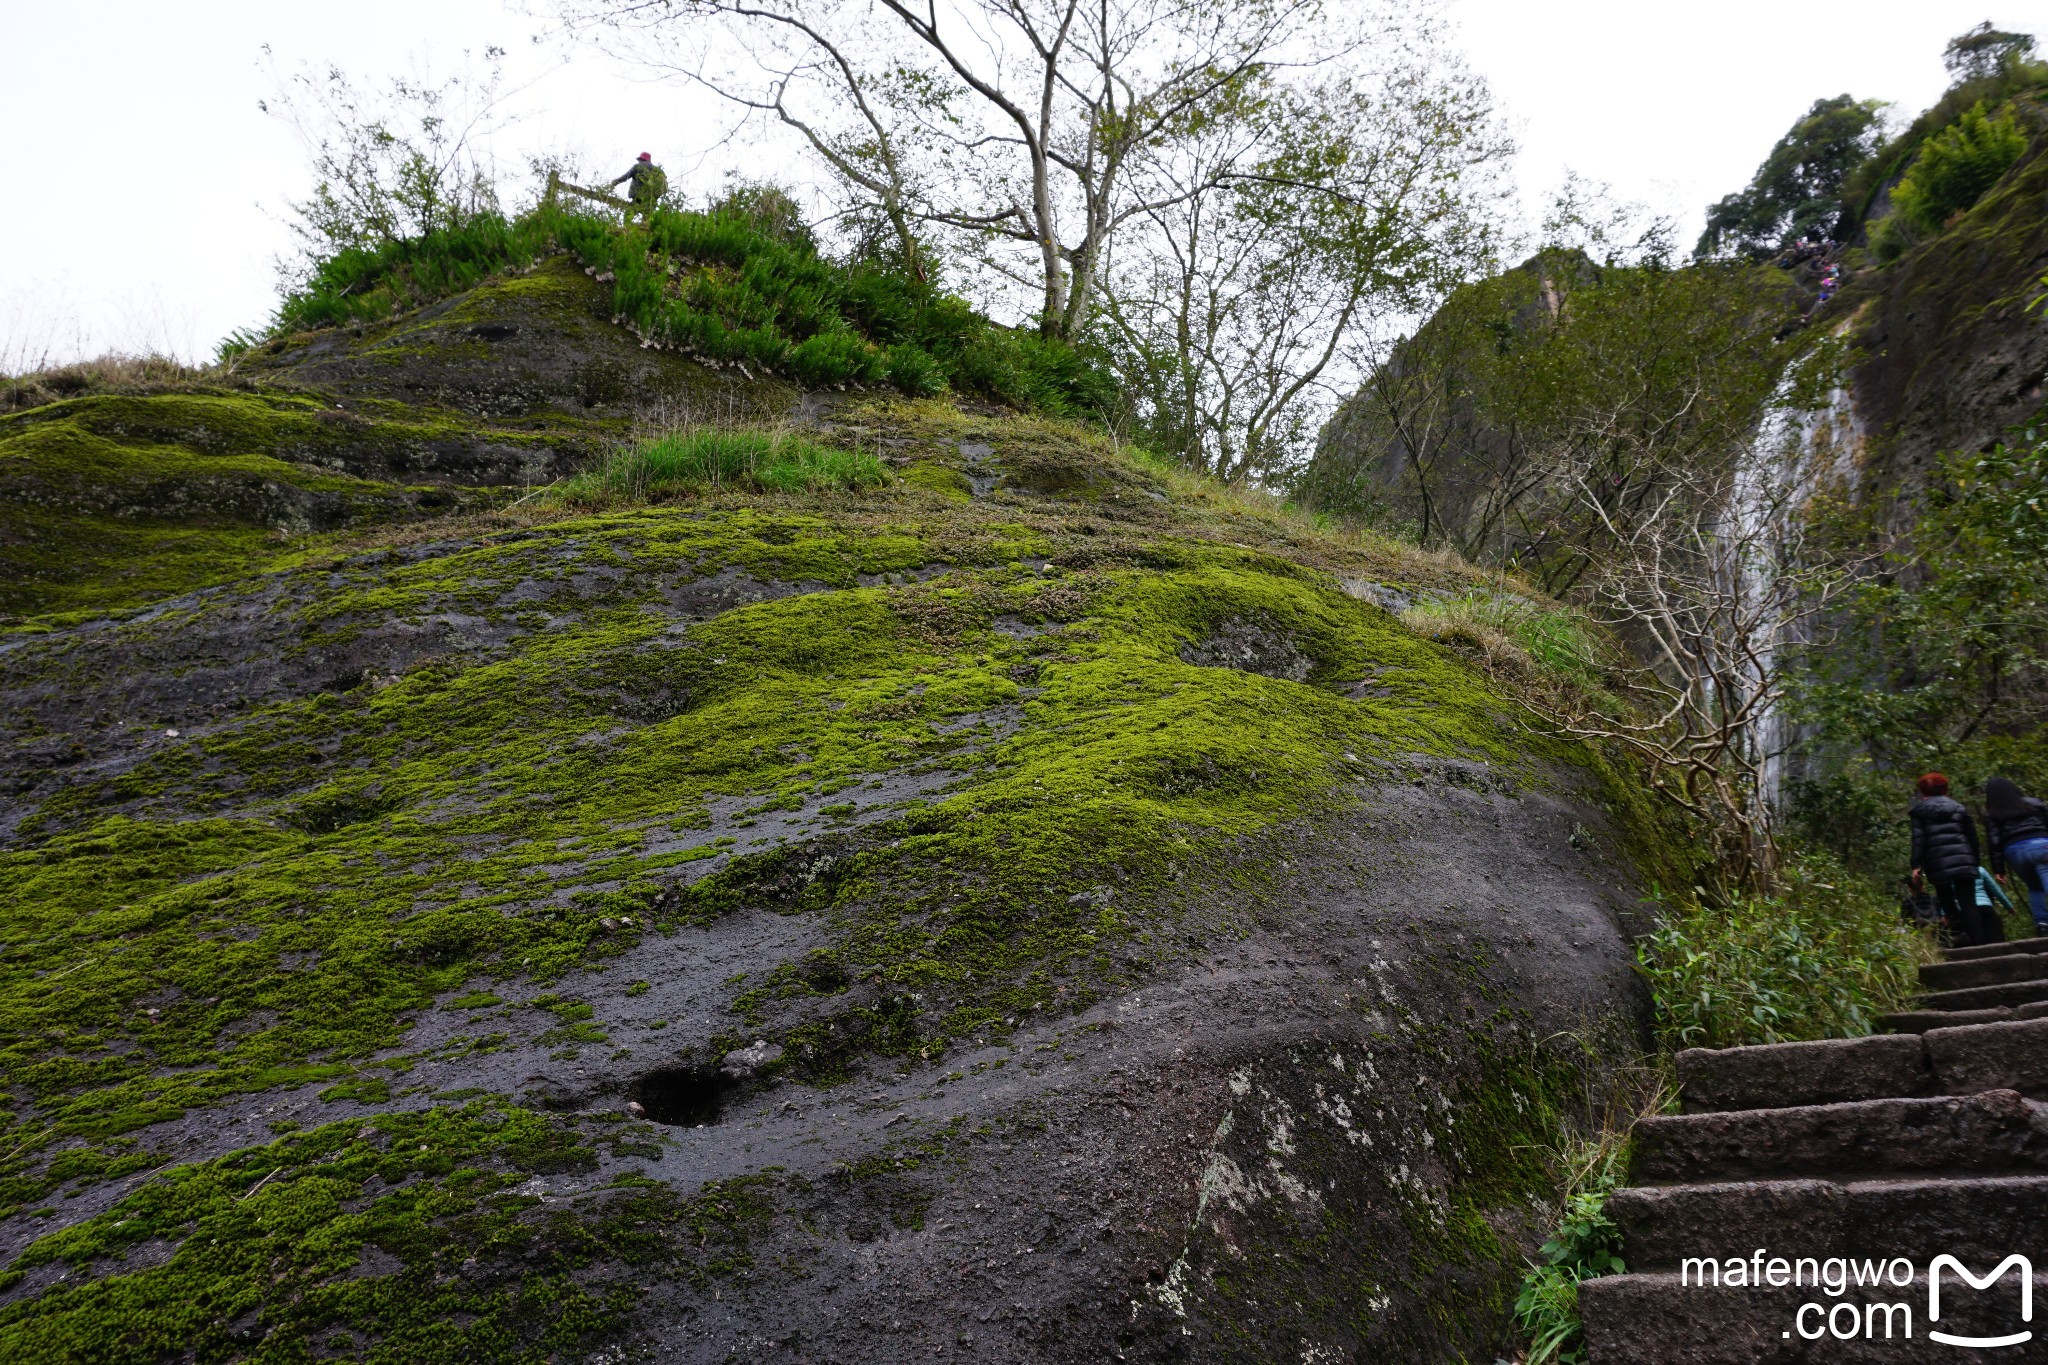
(717, 286)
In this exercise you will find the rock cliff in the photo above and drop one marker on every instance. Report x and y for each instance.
(1043, 910)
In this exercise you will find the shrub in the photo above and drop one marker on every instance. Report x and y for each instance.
(1819, 958)
(1590, 1164)
(914, 370)
(740, 285)
(370, 283)
(1951, 172)
(698, 461)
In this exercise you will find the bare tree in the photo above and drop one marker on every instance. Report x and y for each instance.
(395, 162)
(1294, 218)
(1022, 127)
(1713, 583)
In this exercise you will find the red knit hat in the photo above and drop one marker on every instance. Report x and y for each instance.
(1933, 784)
(644, 157)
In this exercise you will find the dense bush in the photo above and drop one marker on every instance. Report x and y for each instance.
(1956, 629)
(2014, 81)
(370, 283)
(1951, 172)
(735, 286)
(1820, 958)
(699, 460)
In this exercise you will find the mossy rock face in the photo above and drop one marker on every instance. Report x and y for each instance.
(536, 344)
(1950, 350)
(990, 909)
(115, 500)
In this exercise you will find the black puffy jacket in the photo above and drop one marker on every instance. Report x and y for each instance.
(2003, 834)
(1944, 839)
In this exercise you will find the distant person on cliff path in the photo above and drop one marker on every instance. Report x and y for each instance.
(1945, 854)
(649, 184)
(2017, 830)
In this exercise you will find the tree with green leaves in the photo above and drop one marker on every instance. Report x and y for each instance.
(1957, 630)
(1542, 406)
(1797, 192)
(1984, 51)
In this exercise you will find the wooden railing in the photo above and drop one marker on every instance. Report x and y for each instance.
(556, 185)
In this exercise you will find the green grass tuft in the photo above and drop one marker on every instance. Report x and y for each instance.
(698, 461)
(1513, 634)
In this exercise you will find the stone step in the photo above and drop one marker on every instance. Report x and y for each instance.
(1980, 1220)
(1984, 971)
(1949, 1059)
(1975, 1058)
(1997, 1132)
(1782, 1075)
(1985, 997)
(1656, 1320)
(1919, 1021)
(2018, 945)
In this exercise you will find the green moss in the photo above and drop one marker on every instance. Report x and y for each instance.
(269, 1248)
(273, 903)
(112, 501)
(1129, 766)
(950, 483)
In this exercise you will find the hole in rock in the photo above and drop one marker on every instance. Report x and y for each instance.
(681, 1095)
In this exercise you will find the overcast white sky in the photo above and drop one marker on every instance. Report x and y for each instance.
(143, 203)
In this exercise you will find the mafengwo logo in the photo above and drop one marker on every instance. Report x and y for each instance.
(1865, 1318)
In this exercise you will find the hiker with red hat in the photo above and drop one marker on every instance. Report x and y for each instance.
(649, 184)
(1946, 854)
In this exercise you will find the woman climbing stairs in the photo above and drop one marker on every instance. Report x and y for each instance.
(1797, 1208)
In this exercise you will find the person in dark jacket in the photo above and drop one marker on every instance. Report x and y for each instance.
(2016, 827)
(649, 184)
(1945, 854)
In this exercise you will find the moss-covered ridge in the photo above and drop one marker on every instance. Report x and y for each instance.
(114, 500)
(727, 289)
(270, 1242)
(971, 731)
(586, 758)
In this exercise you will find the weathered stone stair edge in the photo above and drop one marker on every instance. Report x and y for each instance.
(1918, 1218)
(2010, 946)
(1997, 1131)
(1998, 970)
(1962, 1060)
(1985, 997)
(1919, 1021)
(1638, 1319)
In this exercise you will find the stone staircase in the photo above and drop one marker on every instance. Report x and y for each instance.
(1928, 1140)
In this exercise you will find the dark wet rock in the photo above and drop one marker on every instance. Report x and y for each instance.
(1251, 648)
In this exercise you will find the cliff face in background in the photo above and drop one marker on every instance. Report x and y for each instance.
(1944, 349)
(1042, 910)
(1950, 349)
